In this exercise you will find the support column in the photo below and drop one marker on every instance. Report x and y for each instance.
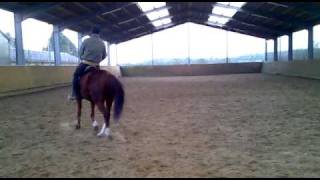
(80, 35)
(188, 36)
(227, 47)
(116, 54)
(275, 51)
(56, 45)
(310, 43)
(290, 55)
(108, 54)
(20, 60)
(266, 50)
(152, 60)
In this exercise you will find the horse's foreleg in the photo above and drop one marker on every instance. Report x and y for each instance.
(95, 124)
(79, 102)
(106, 114)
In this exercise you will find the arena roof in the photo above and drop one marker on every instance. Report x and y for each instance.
(122, 21)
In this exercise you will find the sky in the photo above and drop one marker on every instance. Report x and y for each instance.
(7, 22)
(204, 42)
(316, 36)
(201, 42)
(35, 33)
(300, 39)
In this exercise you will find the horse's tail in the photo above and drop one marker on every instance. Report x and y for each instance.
(119, 99)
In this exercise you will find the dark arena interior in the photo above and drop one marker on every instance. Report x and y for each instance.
(232, 119)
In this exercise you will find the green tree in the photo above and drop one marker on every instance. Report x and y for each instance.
(65, 45)
(11, 39)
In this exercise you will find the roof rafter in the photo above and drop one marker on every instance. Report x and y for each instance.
(248, 23)
(38, 9)
(233, 29)
(144, 24)
(299, 6)
(144, 14)
(167, 26)
(265, 14)
(75, 20)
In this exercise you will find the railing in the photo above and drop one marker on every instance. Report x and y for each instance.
(43, 57)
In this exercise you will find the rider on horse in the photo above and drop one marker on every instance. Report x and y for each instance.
(92, 52)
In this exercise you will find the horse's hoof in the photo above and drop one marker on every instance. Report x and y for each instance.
(100, 135)
(104, 135)
(77, 126)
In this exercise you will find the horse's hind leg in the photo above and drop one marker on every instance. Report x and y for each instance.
(95, 124)
(106, 114)
(79, 102)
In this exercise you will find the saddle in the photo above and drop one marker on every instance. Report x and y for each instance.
(91, 67)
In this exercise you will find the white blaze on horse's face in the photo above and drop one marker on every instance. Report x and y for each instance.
(104, 131)
(95, 123)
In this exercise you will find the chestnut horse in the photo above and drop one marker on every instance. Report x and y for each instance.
(101, 88)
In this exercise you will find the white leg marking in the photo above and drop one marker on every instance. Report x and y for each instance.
(107, 132)
(102, 131)
(95, 124)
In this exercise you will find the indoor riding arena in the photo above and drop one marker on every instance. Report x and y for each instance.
(233, 91)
